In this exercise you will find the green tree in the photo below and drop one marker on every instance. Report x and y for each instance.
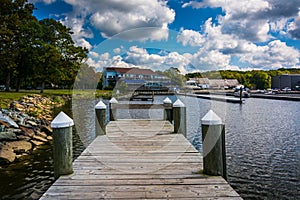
(59, 59)
(13, 17)
(175, 76)
(87, 77)
(260, 79)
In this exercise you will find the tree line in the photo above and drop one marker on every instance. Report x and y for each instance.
(35, 52)
(255, 79)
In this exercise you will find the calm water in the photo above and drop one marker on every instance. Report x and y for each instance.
(262, 144)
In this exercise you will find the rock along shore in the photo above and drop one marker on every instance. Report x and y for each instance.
(26, 125)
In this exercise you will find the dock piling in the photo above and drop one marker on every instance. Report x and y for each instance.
(168, 110)
(213, 142)
(113, 109)
(100, 110)
(179, 115)
(62, 144)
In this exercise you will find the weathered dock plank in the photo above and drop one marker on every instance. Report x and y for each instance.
(140, 159)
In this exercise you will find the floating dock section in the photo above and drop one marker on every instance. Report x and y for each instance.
(215, 97)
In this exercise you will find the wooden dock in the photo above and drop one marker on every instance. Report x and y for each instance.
(140, 159)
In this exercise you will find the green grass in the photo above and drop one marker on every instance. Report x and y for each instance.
(7, 97)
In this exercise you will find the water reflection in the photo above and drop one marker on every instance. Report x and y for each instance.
(262, 144)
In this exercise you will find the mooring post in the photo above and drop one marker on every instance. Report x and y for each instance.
(179, 116)
(168, 111)
(62, 144)
(213, 143)
(100, 110)
(113, 109)
(241, 94)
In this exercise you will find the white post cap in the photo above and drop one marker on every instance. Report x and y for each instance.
(211, 118)
(113, 100)
(100, 105)
(178, 104)
(167, 100)
(62, 121)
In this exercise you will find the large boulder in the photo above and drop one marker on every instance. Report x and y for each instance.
(36, 143)
(38, 138)
(4, 124)
(8, 120)
(27, 131)
(7, 136)
(7, 155)
(10, 150)
(19, 146)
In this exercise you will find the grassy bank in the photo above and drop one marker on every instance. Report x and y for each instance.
(7, 97)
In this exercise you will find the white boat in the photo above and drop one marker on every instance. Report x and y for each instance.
(245, 94)
(245, 91)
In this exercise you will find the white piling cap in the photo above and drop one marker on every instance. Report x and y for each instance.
(100, 105)
(62, 121)
(211, 118)
(113, 100)
(167, 100)
(178, 104)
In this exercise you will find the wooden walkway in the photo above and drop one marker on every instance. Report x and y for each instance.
(140, 159)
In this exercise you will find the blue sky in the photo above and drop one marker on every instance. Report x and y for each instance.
(190, 35)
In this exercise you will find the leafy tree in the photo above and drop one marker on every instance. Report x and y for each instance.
(87, 77)
(175, 76)
(13, 18)
(59, 59)
(35, 51)
(260, 80)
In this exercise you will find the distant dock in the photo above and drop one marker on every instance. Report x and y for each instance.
(214, 97)
(286, 97)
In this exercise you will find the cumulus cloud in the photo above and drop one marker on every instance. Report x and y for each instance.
(117, 50)
(45, 1)
(99, 61)
(294, 28)
(111, 17)
(274, 55)
(80, 34)
(210, 60)
(241, 29)
(140, 57)
(190, 37)
(219, 48)
(253, 20)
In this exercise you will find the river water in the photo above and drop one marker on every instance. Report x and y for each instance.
(262, 144)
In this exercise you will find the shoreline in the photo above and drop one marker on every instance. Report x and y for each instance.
(293, 96)
(25, 126)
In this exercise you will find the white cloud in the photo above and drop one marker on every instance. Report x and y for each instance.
(80, 34)
(244, 24)
(274, 55)
(190, 37)
(45, 1)
(94, 54)
(139, 57)
(111, 17)
(294, 27)
(210, 60)
(117, 50)
(217, 51)
(83, 43)
(253, 20)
